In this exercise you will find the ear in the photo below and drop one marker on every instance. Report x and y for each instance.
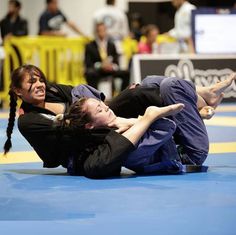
(17, 92)
(89, 125)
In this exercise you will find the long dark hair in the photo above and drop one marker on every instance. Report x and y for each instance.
(16, 81)
(77, 117)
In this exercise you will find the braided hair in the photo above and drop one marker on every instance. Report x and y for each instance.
(16, 81)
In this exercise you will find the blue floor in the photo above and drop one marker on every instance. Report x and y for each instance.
(34, 200)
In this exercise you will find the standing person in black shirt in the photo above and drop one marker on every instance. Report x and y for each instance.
(13, 24)
(51, 20)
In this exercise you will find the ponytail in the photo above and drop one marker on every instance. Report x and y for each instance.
(11, 121)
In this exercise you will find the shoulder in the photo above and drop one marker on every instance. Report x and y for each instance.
(60, 86)
(59, 12)
(99, 12)
(45, 14)
(4, 20)
(91, 44)
(59, 93)
(188, 6)
(56, 88)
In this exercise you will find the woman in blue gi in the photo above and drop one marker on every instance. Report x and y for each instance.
(155, 152)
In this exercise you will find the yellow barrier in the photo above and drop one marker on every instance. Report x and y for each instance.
(61, 59)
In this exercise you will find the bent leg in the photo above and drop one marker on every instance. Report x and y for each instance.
(157, 135)
(191, 132)
(165, 160)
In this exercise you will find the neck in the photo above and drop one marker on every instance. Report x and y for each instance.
(101, 39)
(116, 120)
(40, 105)
(13, 16)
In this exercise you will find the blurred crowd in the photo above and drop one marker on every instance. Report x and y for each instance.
(111, 27)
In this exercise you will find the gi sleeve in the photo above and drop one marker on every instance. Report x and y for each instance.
(106, 160)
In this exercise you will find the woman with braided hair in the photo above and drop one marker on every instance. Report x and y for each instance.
(100, 152)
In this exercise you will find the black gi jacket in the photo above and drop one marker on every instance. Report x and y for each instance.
(131, 103)
(99, 153)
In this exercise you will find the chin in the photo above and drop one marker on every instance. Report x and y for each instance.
(39, 101)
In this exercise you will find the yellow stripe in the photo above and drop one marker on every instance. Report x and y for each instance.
(229, 147)
(23, 157)
(228, 108)
(4, 115)
(19, 157)
(221, 121)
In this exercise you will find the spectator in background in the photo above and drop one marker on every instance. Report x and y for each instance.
(149, 44)
(136, 25)
(52, 19)
(115, 20)
(101, 59)
(13, 24)
(182, 23)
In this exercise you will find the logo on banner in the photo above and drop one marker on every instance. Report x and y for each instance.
(185, 69)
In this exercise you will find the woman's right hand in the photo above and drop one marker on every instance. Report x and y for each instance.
(122, 124)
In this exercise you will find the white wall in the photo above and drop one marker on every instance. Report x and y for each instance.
(79, 11)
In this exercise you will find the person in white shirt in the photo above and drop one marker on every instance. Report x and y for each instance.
(182, 22)
(115, 20)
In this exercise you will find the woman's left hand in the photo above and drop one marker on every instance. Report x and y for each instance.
(207, 112)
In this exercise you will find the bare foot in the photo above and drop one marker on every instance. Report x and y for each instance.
(213, 95)
(153, 112)
(207, 112)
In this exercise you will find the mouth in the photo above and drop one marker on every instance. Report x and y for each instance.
(40, 92)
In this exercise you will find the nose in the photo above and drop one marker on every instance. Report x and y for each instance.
(39, 83)
(104, 106)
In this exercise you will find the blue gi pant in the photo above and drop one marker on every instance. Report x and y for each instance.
(190, 132)
(156, 151)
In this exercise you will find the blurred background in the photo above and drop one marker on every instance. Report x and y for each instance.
(155, 37)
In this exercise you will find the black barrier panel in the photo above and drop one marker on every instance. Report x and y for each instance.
(203, 72)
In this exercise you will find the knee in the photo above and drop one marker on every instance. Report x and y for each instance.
(171, 125)
(165, 124)
(152, 81)
(166, 85)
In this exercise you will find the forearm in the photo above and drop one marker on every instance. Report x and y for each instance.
(53, 33)
(75, 28)
(135, 132)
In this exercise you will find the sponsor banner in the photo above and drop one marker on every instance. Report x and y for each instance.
(202, 70)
